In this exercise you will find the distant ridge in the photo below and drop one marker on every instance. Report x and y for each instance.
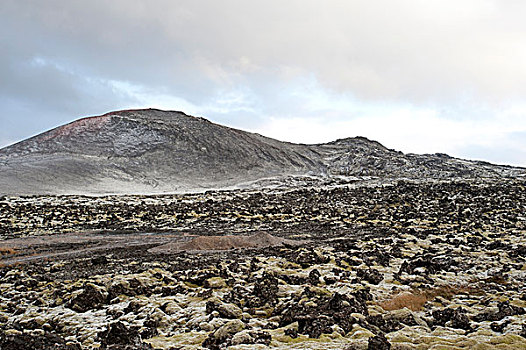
(155, 151)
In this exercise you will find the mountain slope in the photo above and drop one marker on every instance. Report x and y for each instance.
(149, 150)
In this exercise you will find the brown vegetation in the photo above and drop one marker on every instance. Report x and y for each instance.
(415, 300)
(7, 251)
(409, 300)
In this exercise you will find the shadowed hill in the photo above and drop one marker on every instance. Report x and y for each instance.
(149, 150)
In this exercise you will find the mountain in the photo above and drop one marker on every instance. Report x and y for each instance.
(155, 151)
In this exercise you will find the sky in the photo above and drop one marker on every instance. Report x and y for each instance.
(420, 76)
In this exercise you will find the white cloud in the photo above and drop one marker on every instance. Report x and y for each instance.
(412, 130)
(410, 50)
(145, 97)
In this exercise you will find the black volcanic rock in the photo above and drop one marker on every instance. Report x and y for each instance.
(154, 151)
(119, 337)
(47, 341)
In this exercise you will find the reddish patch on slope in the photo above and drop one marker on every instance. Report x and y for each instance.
(89, 124)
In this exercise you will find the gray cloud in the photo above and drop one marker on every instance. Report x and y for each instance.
(407, 49)
(241, 63)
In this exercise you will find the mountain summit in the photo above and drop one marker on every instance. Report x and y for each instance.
(155, 151)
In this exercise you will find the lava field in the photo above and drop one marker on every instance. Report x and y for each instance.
(404, 265)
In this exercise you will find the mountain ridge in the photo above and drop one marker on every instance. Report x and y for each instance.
(156, 151)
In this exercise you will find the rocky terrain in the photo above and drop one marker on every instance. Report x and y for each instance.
(148, 229)
(153, 151)
(346, 264)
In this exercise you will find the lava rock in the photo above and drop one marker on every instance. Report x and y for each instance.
(150, 329)
(310, 257)
(23, 341)
(223, 335)
(432, 264)
(498, 327)
(225, 310)
(99, 260)
(119, 337)
(454, 318)
(266, 289)
(386, 325)
(505, 310)
(251, 337)
(378, 342)
(314, 277)
(320, 314)
(372, 276)
(291, 332)
(91, 297)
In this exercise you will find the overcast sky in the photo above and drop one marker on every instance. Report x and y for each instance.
(418, 76)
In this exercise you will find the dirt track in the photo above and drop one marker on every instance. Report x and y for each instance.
(76, 245)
